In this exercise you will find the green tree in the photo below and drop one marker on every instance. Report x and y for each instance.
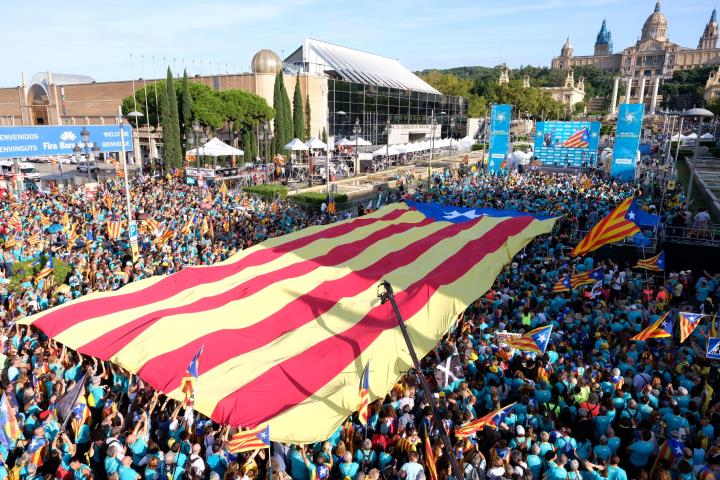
(186, 107)
(171, 124)
(249, 145)
(308, 117)
(283, 124)
(324, 135)
(297, 112)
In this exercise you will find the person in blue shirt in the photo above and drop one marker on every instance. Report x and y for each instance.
(642, 450)
(79, 470)
(126, 471)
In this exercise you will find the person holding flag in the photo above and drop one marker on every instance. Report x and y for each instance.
(364, 395)
(535, 341)
(661, 328)
(624, 221)
(190, 378)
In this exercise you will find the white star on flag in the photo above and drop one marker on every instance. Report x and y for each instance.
(470, 214)
(631, 216)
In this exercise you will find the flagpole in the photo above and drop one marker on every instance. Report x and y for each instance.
(386, 294)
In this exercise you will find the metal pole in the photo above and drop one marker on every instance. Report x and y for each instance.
(677, 147)
(124, 161)
(692, 162)
(389, 296)
(432, 144)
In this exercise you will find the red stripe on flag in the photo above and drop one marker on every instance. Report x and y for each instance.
(293, 315)
(110, 343)
(298, 378)
(60, 319)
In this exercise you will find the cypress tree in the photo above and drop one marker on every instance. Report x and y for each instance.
(298, 115)
(323, 135)
(282, 123)
(308, 133)
(171, 124)
(186, 106)
(249, 145)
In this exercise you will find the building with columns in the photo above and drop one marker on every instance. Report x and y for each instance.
(652, 55)
(712, 86)
(636, 90)
(570, 94)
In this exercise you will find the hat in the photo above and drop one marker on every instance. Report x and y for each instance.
(520, 430)
(44, 414)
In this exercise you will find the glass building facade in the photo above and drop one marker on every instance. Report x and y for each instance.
(374, 105)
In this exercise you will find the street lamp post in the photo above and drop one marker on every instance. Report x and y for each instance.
(85, 136)
(76, 152)
(357, 130)
(433, 125)
(387, 142)
(96, 155)
(136, 116)
(124, 164)
(452, 131)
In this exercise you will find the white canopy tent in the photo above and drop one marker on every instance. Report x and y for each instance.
(296, 145)
(692, 136)
(215, 148)
(316, 144)
(360, 142)
(677, 137)
(707, 136)
(344, 142)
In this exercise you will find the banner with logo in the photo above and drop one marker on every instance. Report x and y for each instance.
(499, 137)
(61, 140)
(627, 141)
(567, 144)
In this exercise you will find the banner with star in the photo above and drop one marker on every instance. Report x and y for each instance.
(499, 137)
(627, 141)
(288, 325)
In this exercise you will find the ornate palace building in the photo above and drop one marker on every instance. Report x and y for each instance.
(640, 68)
(652, 55)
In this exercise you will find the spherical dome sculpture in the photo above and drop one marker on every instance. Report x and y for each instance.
(266, 61)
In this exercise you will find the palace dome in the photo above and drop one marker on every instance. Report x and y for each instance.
(656, 26)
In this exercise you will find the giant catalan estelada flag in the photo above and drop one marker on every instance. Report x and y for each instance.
(288, 325)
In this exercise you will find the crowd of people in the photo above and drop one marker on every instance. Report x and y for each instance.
(594, 405)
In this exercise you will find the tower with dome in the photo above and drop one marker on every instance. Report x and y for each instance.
(641, 67)
(653, 55)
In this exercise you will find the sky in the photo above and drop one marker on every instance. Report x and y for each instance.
(117, 40)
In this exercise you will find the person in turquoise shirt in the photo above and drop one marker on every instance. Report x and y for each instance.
(126, 472)
(642, 450)
(602, 451)
(79, 470)
(348, 468)
(217, 461)
(534, 462)
(298, 469)
(614, 471)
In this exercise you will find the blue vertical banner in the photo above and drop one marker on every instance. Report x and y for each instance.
(627, 141)
(499, 137)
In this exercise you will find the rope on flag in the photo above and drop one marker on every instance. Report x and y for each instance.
(299, 313)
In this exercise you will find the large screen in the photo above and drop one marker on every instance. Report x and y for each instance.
(567, 144)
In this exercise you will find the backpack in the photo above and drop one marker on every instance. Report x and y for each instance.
(365, 465)
(190, 463)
